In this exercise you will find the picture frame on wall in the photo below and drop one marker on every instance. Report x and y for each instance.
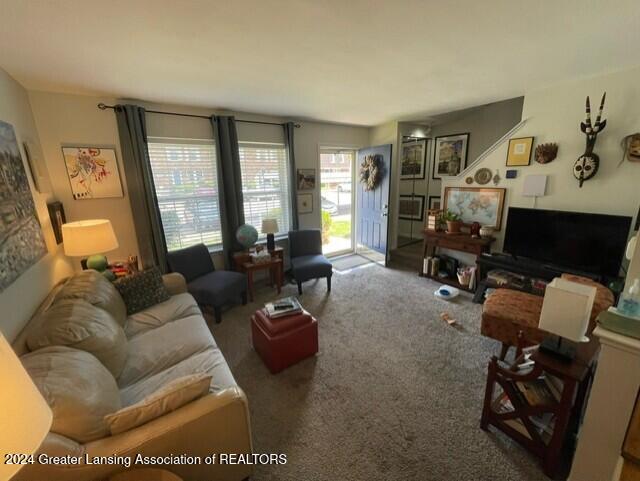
(306, 179)
(435, 202)
(519, 152)
(413, 158)
(93, 172)
(411, 207)
(450, 155)
(484, 205)
(305, 203)
(56, 214)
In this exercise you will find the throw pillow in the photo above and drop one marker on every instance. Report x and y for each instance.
(168, 398)
(141, 290)
(78, 324)
(78, 388)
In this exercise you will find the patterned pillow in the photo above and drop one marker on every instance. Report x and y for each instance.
(142, 290)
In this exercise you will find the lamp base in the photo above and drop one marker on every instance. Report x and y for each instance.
(271, 242)
(559, 347)
(97, 262)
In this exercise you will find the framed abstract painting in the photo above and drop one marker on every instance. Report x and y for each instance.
(93, 172)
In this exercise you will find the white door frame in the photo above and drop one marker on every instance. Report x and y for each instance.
(334, 146)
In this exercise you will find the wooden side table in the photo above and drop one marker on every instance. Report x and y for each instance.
(242, 261)
(576, 377)
(457, 242)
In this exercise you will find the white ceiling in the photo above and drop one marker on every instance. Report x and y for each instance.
(353, 61)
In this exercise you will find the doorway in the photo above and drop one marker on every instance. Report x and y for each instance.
(337, 200)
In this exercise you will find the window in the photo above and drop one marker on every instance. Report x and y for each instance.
(265, 184)
(185, 177)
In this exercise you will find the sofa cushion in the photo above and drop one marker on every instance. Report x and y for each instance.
(218, 288)
(211, 362)
(96, 289)
(77, 387)
(170, 397)
(142, 290)
(76, 323)
(310, 267)
(158, 349)
(174, 308)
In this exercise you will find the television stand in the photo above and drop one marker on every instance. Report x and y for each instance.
(528, 268)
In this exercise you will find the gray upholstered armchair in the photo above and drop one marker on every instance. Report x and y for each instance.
(209, 287)
(307, 261)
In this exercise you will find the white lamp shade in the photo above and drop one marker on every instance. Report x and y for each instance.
(25, 417)
(269, 226)
(88, 237)
(566, 309)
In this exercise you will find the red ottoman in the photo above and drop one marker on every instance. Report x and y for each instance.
(284, 341)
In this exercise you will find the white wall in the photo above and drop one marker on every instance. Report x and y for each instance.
(554, 115)
(75, 119)
(20, 299)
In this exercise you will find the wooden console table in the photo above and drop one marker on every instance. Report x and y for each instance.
(457, 242)
(576, 377)
(242, 261)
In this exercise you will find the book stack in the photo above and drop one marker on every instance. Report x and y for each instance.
(283, 307)
(119, 269)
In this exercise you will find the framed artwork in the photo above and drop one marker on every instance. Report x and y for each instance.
(305, 203)
(476, 204)
(56, 214)
(22, 241)
(93, 172)
(412, 160)
(435, 202)
(450, 155)
(411, 207)
(306, 179)
(519, 152)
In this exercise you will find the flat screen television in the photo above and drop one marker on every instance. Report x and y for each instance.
(591, 243)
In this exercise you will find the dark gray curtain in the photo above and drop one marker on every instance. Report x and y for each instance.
(289, 127)
(142, 193)
(229, 184)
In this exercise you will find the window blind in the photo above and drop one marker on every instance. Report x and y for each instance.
(265, 184)
(186, 183)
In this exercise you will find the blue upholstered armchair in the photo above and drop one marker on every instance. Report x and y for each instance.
(307, 261)
(209, 287)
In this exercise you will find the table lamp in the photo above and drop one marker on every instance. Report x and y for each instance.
(566, 311)
(89, 238)
(270, 227)
(25, 417)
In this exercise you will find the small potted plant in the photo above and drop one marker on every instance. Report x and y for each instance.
(454, 223)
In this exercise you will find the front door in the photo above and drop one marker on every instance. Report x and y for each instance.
(373, 205)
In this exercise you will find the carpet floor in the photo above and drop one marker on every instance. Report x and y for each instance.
(394, 393)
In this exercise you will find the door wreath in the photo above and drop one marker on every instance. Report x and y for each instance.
(370, 172)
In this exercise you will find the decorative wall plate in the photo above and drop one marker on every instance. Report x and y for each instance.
(483, 176)
(469, 180)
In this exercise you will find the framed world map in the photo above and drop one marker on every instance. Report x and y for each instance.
(476, 204)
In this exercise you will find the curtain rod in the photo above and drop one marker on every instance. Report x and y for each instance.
(102, 106)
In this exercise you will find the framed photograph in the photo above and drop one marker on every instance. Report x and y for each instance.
(56, 214)
(450, 155)
(476, 204)
(519, 152)
(435, 202)
(93, 172)
(306, 179)
(412, 160)
(305, 203)
(411, 207)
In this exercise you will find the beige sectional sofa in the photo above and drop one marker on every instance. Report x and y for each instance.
(142, 353)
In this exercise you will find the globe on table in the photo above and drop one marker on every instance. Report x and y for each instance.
(246, 235)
